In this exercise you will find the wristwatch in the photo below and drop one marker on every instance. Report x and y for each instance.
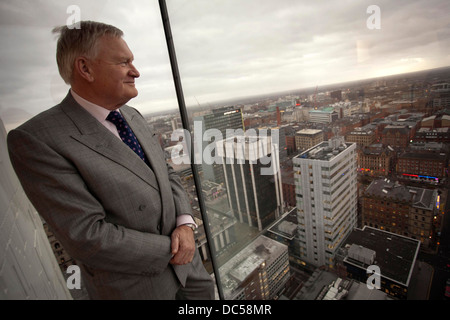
(191, 225)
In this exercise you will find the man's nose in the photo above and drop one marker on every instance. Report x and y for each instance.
(133, 71)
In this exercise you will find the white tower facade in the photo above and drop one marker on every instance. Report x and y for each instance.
(28, 268)
(326, 194)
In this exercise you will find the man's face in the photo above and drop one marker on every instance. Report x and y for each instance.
(114, 72)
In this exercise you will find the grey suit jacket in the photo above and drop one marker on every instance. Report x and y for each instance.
(111, 212)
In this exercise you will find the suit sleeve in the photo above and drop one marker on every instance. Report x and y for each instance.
(181, 199)
(59, 194)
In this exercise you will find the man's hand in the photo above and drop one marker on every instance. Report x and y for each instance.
(183, 245)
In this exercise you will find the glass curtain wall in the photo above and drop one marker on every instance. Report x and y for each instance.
(253, 74)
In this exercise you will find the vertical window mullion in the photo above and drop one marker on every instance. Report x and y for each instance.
(185, 122)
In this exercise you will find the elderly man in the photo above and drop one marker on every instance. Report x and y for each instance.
(97, 175)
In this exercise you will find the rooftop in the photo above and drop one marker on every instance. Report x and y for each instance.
(249, 147)
(424, 156)
(286, 227)
(425, 129)
(417, 197)
(395, 255)
(429, 146)
(361, 132)
(324, 285)
(324, 110)
(239, 267)
(309, 131)
(325, 150)
(402, 129)
(376, 149)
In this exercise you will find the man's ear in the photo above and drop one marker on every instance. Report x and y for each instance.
(83, 68)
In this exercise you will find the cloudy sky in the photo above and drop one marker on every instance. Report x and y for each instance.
(225, 48)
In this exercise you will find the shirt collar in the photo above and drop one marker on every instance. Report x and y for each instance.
(95, 110)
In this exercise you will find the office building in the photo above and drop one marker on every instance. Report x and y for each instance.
(326, 191)
(308, 138)
(440, 95)
(258, 272)
(325, 115)
(278, 135)
(217, 122)
(253, 179)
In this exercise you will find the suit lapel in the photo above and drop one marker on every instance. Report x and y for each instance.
(95, 136)
(157, 161)
(145, 137)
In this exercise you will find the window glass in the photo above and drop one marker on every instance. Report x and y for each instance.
(269, 69)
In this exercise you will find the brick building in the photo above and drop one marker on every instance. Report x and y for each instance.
(288, 186)
(376, 160)
(395, 136)
(440, 135)
(422, 166)
(404, 210)
(362, 138)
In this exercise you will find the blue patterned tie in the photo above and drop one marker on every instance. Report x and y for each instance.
(126, 134)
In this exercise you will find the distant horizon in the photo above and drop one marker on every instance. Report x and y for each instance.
(231, 101)
(292, 91)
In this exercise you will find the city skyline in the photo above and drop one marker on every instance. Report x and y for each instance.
(224, 49)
